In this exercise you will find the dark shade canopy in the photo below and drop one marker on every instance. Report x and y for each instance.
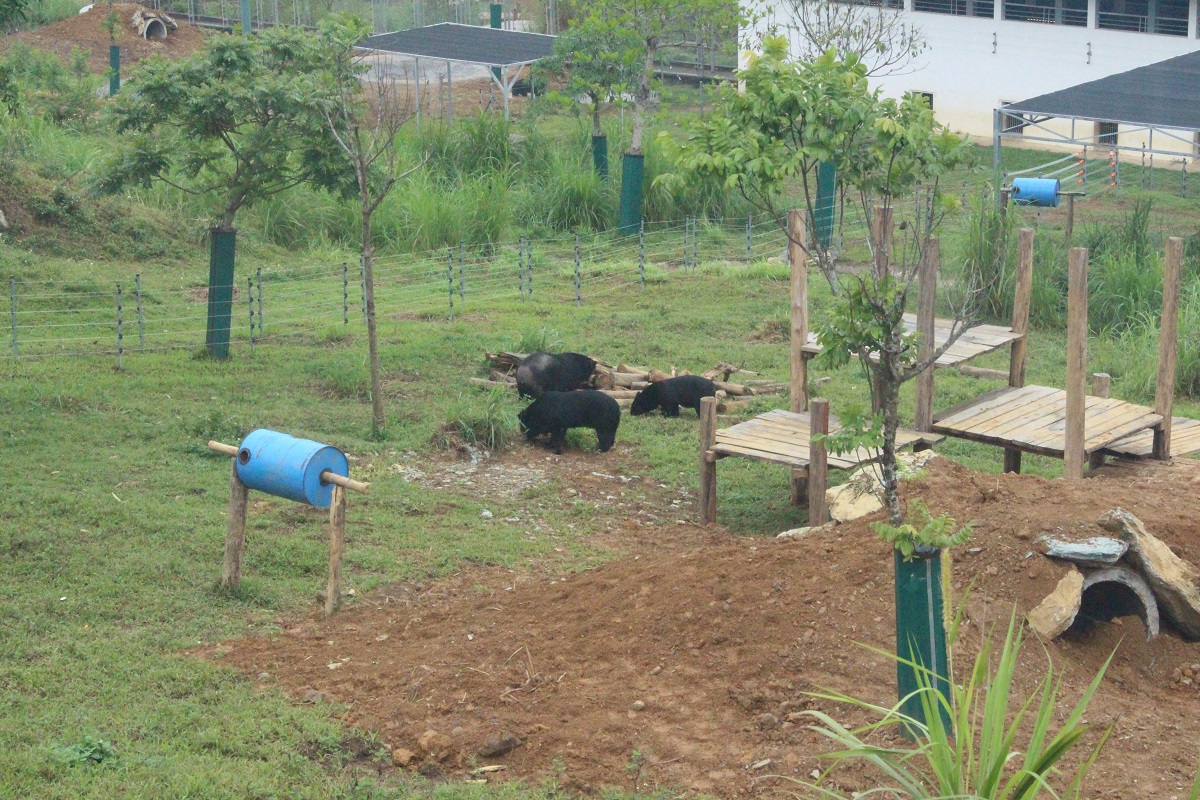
(470, 44)
(1165, 95)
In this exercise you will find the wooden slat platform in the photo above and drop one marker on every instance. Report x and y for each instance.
(1033, 419)
(782, 437)
(1185, 440)
(973, 343)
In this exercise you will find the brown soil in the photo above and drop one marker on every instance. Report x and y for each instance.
(684, 662)
(87, 31)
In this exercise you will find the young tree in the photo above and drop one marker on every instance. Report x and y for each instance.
(789, 118)
(364, 119)
(600, 60)
(229, 121)
(12, 13)
(885, 43)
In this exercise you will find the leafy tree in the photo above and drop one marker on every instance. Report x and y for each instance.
(772, 136)
(365, 130)
(12, 12)
(885, 41)
(597, 59)
(10, 91)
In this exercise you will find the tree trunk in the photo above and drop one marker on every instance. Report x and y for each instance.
(596, 129)
(368, 257)
(889, 385)
(643, 97)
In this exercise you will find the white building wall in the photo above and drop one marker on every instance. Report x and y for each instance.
(974, 64)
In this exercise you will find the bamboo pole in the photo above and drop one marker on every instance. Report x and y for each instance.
(1101, 387)
(1018, 353)
(926, 302)
(708, 461)
(818, 463)
(235, 532)
(798, 260)
(337, 544)
(1077, 315)
(1168, 331)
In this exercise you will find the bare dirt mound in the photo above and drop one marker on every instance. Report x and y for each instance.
(686, 662)
(87, 31)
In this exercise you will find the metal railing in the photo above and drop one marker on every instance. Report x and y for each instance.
(1070, 12)
(1143, 23)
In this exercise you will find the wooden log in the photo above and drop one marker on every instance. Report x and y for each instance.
(708, 463)
(926, 302)
(226, 449)
(1077, 320)
(1018, 352)
(818, 462)
(1168, 332)
(798, 261)
(734, 388)
(502, 377)
(1101, 386)
(603, 378)
(983, 372)
(344, 482)
(337, 544)
(629, 380)
(729, 406)
(799, 491)
(643, 371)
(620, 394)
(656, 375)
(235, 531)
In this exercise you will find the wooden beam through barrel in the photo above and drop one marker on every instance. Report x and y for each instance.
(235, 534)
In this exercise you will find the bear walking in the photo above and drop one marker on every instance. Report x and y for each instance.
(556, 412)
(670, 394)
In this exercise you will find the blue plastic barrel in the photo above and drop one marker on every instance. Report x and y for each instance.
(1036, 192)
(285, 466)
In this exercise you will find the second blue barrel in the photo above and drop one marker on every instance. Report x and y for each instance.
(282, 465)
(1036, 192)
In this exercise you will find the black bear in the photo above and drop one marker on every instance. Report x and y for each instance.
(669, 395)
(555, 412)
(553, 372)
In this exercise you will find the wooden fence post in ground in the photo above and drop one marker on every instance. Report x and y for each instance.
(708, 461)
(235, 533)
(1077, 321)
(798, 261)
(926, 307)
(337, 544)
(818, 462)
(1018, 354)
(1101, 387)
(1168, 331)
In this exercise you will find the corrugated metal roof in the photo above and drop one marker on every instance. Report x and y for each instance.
(469, 44)
(1165, 94)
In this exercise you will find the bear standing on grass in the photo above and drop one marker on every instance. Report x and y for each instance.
(670, 394)
(555, 412)
(553, 372)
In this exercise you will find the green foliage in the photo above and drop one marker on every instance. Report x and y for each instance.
(62, 93)
(10, 92)
(923, 531)
(12, 12)
(87, 752)
(977, 755)
(986, 258)
(596, 58)
(483, 419)
(538, 340)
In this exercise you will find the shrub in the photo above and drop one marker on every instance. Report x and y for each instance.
(483, 419)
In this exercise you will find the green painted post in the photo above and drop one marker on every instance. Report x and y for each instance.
(114, 66)
(633, 170)
(222, 246)
(920, 631)
(247, 25)
(600, 155)
(497, 20)
(826, 200)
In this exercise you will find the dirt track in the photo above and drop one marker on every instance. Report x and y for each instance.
(685, 662)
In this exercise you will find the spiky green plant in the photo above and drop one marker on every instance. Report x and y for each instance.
(977, 756)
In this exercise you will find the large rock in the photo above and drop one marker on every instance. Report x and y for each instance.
(1147, 608)
(863, 493)
(1056, 613)
(1099, 551)
(1172, 579)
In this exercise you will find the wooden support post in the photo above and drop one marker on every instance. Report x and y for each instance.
(798, 260)
(1168, 331)
(337, 544)
(1018, 354)
(1077, 322)
(235, 532)
(799, 486)
(818, 462)
(708, 461)
(1101, 387)
(926, 301)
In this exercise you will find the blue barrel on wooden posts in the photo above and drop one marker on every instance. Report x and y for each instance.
(285, 466)
(1036, 192)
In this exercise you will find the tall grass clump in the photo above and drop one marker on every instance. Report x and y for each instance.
(987, 260)
(570, 197)
(1131, 357)
(977, 756)
(668, 200)
(480, 419)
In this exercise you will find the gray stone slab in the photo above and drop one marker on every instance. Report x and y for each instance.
(1099, 551)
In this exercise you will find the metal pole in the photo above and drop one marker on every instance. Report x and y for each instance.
(345, 293)
(521, 267)
(578, 298)
(997, 132)
(642, 253)
(12, 300)
(450, 279)
(450, 91)
(749, 236)
(528, 269)
(137, 285)
(258, 281)
(462, 272)
(250, 303)
(120, 332)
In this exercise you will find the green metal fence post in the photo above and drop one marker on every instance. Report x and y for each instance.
(114, 67)
(600, 156)
(222, 248)
(137, 287)
(120, 332)
(12, 303)
(920, 632)
(633, 170)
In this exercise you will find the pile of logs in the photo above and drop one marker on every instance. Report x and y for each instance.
(623, 381)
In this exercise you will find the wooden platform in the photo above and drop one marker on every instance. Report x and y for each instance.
(1033, 419)
(1185, 440)
(782, 437)
(973, 343)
